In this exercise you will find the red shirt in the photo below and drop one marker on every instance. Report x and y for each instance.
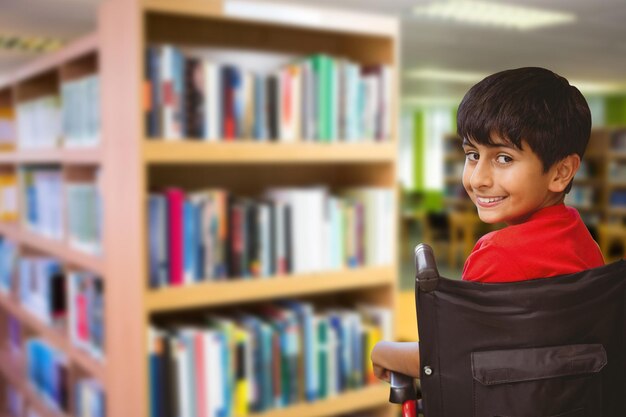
(554, 241)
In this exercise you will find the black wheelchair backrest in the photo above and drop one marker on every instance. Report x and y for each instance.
(541, 348)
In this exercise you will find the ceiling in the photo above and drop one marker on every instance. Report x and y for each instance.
(593, 49)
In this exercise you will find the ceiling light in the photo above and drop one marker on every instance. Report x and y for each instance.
(485, 13)
(470, 78)
(463, 77)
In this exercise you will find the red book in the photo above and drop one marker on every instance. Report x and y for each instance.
(175, 199)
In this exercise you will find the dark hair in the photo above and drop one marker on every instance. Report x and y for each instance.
(530, 104)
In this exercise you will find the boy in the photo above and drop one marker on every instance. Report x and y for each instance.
(524, 133)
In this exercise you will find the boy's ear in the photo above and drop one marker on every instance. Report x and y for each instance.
(563, 172)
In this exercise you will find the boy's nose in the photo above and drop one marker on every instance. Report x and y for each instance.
(481, 176)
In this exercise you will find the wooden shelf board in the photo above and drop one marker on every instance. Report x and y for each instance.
(54, 248)
(317, 18)
(617, 184)
(617, 210)
(61, 156)
(617, 154)
(13, 370)
(54, 337)
(258, 289)
(584, 208)
(162, 151)
(349, 402)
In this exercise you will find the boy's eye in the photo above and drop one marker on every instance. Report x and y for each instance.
(472, 156)
(504, 159)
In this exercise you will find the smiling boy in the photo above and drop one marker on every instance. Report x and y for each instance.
(524, 134)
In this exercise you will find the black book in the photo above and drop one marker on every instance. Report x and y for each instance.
(272, 112)
(288, 241)
(194, 100)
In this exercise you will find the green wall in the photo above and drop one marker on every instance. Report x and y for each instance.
(615, 111)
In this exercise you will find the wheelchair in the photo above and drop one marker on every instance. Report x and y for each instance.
(549, 347)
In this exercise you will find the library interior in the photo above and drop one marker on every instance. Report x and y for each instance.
(238, 186)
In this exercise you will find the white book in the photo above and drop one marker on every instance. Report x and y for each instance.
(387, 106)
(212, 102)
(264, 239)
(185, 385)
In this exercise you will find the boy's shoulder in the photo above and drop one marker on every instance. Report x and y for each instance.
(552, 220)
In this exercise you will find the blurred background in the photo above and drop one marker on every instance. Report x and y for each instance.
(444, 47)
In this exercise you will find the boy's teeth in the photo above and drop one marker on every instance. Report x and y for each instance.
(490, 200)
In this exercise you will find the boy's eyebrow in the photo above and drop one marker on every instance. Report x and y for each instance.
(494, 145)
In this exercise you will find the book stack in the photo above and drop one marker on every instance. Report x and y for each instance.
(581, 196)
(47, 370)
(84, 213)
(211, 235)
(271, 357)
(317, 98)
(43, 197)
(39, 123)
(8, 260)
(81, 111)
(8, 197)
(7, 128)
(89, 399)
(85, 295)
(41, 289)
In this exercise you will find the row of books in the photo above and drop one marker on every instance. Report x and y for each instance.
(66, 300)
(582, 196)
(84, 212)
(80, 100)
(7, 127)
(618, 141)
(14, 402)
(39, 123)
(71, 119)
(46, 209)
(272, 357)
(211, 235)
(8, 197)
(617, 171)
(48, 373)
(43, 197)
(617, 199)
(89, 400)
(318, 98)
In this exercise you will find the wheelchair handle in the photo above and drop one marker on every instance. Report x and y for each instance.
(403, 391)
(426, 273)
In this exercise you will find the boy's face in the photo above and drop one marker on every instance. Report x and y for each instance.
(505, 183)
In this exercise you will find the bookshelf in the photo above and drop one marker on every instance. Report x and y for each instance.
(131, 164)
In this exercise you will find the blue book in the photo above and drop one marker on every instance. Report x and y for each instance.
(337, 327)
(155, 386)
(156, 222)
(200, 273)
(189, 241)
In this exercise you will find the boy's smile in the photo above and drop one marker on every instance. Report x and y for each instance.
(505, 183)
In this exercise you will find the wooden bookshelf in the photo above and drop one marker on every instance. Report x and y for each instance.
(366, 398)
(258, 289)
(157, 151)
(51, 247)
(132, 164)
(52, 156)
